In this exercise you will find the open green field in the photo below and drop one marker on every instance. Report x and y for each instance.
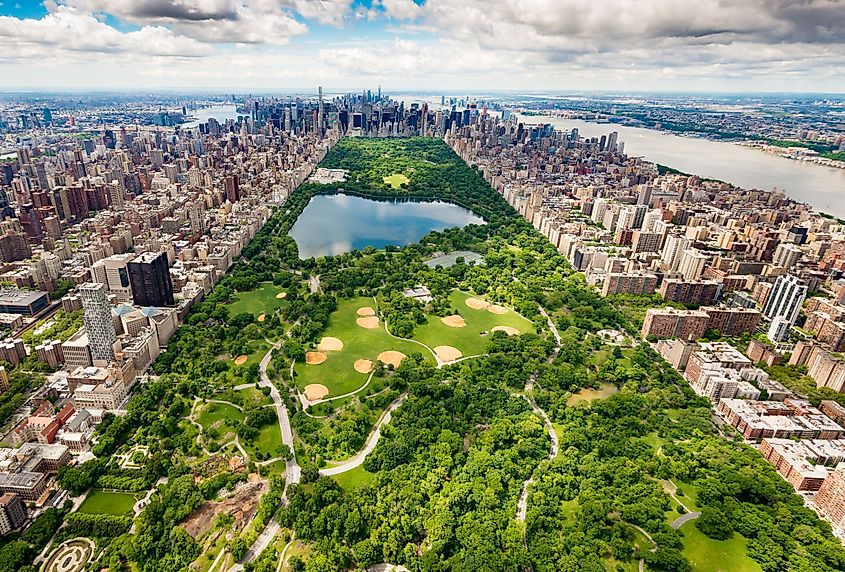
(254, 396)
(261, 300)
(395, 180)
(219, 416)
(354, 479)
(108, 502)
(337, 373)
(604, 391)
(707, 555)
(269, 439)
(469, 339)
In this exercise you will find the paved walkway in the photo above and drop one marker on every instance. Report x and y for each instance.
(522, 503)
(358, 459)
(293, 473)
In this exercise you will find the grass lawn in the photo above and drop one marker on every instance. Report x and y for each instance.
(259, 348)
(337, 373)
(468, 339)
(354, 479)
(395, 180)
(269, 439)
(219, 417)
(707, 555)
(558, 430)
(604, 391)
(274, 468)
(254, 396)
(107, 502)
(261, 300)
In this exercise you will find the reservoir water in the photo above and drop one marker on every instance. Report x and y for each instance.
(819, 186)
(334, 224)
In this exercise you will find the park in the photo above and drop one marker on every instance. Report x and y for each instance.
(358, 340)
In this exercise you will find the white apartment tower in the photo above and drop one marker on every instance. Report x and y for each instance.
(671, 255)
(784, 302)
(98, 321)
(692, 264)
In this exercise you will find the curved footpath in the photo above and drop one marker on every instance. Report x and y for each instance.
(358, 459)
(293, 473)
(522, 503)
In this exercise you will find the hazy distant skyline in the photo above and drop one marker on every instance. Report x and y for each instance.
(449, 45)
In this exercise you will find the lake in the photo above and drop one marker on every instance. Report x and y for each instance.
(819, 186)
(334, 224)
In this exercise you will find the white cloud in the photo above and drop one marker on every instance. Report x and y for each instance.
(209, 21)
(401, 9)
(66, 30)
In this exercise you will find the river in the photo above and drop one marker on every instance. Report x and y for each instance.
(220, 112)
(820, 186)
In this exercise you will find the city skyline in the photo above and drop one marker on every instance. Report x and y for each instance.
(536, 45)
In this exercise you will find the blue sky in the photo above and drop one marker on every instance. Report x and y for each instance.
(450, 45)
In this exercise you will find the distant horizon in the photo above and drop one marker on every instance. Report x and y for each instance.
(227, 91)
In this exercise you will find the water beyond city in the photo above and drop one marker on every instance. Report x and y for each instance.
(334, 224)
(817, 185)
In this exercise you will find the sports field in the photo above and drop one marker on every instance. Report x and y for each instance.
(472, 338)
(338, 372)
(362, 338)
(261, 300)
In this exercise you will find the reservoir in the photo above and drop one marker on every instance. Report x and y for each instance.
(334, 224)
(819, 186)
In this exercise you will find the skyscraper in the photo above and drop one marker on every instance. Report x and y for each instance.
(320, 112)
(149, 275)
(98, 322)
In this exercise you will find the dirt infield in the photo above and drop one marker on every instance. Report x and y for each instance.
(316, 391)
(369, 323)
(240, 360)
(507, 329)
(363, 366)
(281, 295)
(262, 317)
(366, 311)
(477, 304)
(329, 344)
(454, 321)
(315, 358)
(447, 353)
(496, 309)
(391, 357)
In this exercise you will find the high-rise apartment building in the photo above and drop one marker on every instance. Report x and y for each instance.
(783, 305)
(831, 499)
(673, 248)
(692, 264)
(149, 275)
(98, 321)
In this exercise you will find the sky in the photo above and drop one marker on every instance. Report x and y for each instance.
(432, 45)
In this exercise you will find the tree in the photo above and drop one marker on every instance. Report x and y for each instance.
(714, 524)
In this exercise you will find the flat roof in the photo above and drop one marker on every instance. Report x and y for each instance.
(20, 297)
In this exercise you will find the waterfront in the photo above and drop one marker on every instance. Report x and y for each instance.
(821, 187)
(334, 224)
(221, 113)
